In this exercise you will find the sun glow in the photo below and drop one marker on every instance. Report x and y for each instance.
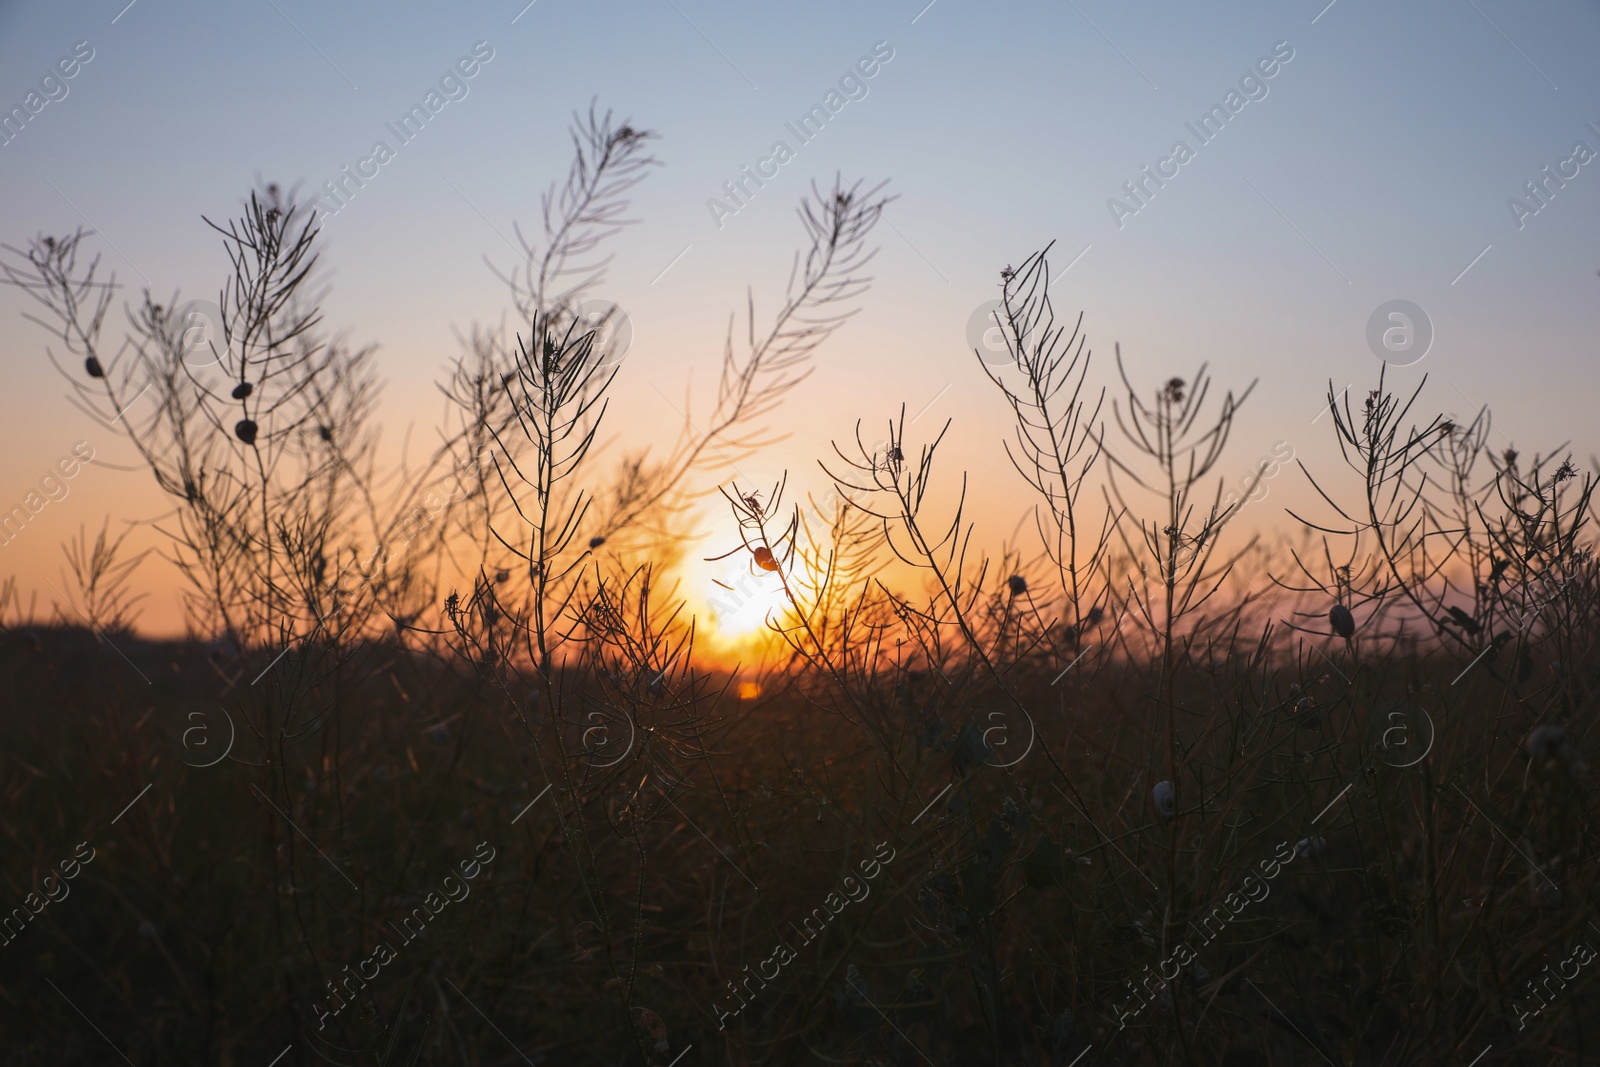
(739, 609)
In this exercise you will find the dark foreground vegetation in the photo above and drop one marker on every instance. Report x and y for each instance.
(441, 777)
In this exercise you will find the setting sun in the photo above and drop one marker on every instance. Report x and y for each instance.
(739, 608)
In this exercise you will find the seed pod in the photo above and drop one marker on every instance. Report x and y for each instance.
(1546, 742)
(1305, 712)
(1162, 797)
(1018, 584)
(596, 542)
(92, 365)
(1310, 846)
(245, 430)
(764, 559)
(242, 390)
(1344, 624)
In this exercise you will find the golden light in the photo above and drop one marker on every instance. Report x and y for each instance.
(732, 596)
(749, 690)
(739, 608)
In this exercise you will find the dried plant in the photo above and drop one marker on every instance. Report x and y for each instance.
(1147, 789)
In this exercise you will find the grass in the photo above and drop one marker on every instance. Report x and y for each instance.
(1131, 796)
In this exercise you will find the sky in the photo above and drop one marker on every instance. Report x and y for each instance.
(1386, 158)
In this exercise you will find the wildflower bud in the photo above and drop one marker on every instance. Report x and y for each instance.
(245, 430)
(1343, 623)
(1164, 800)
(1546, 742)
(1018, 584)
(92, 365)
(242, 390)
(764, 560)
(1309, 846)
(596, 542)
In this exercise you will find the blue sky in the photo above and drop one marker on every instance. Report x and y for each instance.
(1377, 167)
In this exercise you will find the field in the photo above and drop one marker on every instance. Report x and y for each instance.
(445, 774)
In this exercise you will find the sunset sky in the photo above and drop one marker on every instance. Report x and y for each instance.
(1377, 162)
